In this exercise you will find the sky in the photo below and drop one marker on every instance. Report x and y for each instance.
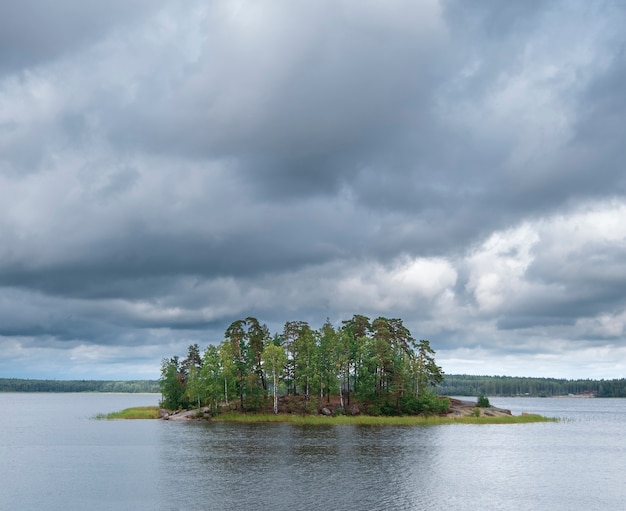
(168, 167)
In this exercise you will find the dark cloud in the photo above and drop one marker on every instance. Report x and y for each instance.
(167, 168)
(33, 32)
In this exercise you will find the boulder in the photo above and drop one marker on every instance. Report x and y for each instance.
(326, 411)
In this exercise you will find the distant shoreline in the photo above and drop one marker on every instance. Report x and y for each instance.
(453, 385)
(101, 386)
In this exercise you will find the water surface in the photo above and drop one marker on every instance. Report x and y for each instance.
(55, 456)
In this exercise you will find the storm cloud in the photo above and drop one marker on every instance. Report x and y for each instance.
(169, 167)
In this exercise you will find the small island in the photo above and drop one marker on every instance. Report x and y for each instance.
(363, 372)
(459, 412)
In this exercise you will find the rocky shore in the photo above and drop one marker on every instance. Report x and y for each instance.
(458, 408)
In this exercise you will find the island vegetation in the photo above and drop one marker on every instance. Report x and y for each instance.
(136, 412)
(363, 367)
(153, 412)
(364, 372)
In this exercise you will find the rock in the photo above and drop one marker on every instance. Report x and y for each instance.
(163, 414)
(326, 411)
(460, 408)
(355, 410)
(183, 415)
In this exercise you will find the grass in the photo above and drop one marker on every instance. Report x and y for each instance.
(367, 420)
(137, 412)
(152, 412)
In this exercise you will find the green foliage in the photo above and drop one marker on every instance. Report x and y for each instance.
(274, 359)
(374, 410)
(476, 412)
(194, 390)
(379, 362)
(431, 403)
(172, 384)
(483, 401)
(211, 378)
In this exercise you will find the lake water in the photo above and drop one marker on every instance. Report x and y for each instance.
(54, 456)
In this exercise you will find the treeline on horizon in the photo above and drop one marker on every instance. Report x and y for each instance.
(376, 362)
(452, 385)
(505, 386)
(28, 385)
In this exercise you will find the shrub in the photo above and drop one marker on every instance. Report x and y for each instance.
(409, 405)
(430, 403)
(374, 410)
(389, 410)
(483, 401)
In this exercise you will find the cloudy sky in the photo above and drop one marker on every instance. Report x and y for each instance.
(168, 167)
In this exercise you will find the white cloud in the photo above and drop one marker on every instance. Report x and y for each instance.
(497, 267)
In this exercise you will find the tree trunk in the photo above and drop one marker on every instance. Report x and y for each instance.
(348, 380)
(341, 395)
(275, 393)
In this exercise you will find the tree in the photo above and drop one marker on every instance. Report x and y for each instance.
(291, 333)
(274, 360)
(212, 377)
(305, 359)
(193, 388)
(326, 360)
(382, 355)
(193, 358)
(229, 374)
(236, 337)
(428, 373)
(355, 331)
(172, 384)
(379, 362)
(257, 336)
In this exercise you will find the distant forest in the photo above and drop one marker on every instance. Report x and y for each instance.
(452, 385)
(133, 386)
(469, 385)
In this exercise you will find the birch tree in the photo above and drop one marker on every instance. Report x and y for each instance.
(274, 360)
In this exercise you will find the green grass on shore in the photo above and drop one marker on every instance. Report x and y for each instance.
(368, 420)
(137, 412)
(152, 412)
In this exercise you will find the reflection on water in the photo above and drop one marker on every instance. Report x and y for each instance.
(281, 466)
(55, 457)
